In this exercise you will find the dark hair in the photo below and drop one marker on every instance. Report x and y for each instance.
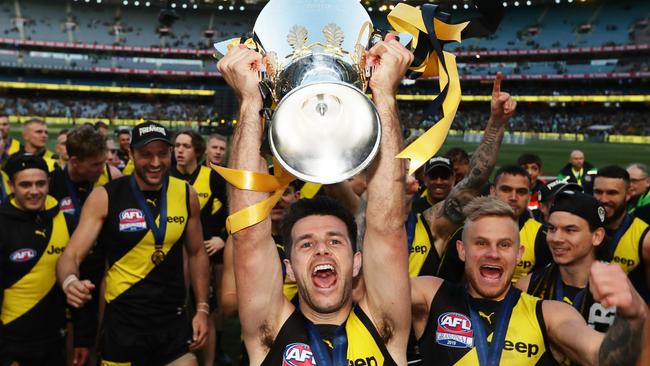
(100, 124)
(457, 155)
(3, 114)
(198, 143)
(614, 171)
(218, 137)
(63, 131)
(529, 159)
(123, 131)
(512, 170)
(85, 142)
(317, 206)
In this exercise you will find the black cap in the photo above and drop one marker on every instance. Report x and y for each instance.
(147, 132)
(439, 162)
(22, 161)
(582, 205)
(547, 192)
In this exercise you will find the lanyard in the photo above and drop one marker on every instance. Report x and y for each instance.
(490, 354)
(5, 152)
(411, 223)
(559, 293)
(76, 202)
(319, 349)
(3, 193)
(627, 221)
(157, 231)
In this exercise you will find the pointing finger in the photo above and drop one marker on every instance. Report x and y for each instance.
(496, 89)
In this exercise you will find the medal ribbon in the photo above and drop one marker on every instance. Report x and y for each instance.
(559, 293)
(3, 193)
(490, 354)
(157, 231)
(319, 349)
(74, 197)
(5, 151)
(627, 222)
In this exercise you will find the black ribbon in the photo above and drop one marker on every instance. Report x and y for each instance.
(490, 354)
(319, 349)
(157, 231)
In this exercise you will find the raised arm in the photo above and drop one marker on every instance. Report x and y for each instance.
(67, 267)
(446, 216)
(258, 271)
(621, 345)
(385, 258)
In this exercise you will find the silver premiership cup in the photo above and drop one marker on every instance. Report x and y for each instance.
(324, 128)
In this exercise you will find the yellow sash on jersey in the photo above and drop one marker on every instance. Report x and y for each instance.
(128, 168)
(527, 236)
(136, 264)
(420, 249)
(626, 254)
(104, 178)
(14, 147)
(202, 185)
(363, 348)
(524, 338)
(5, 183)
(23, 295)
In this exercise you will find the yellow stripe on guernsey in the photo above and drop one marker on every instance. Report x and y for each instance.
(202, 185)
(524, 343)
(104, 178)
(309, 190)
(136, 264)
(627, 251)
(527, 236)
(128, 169)
(111, 363)
(23, 295)
(362, 346)
(14, 147)
(420, 249)
(5, 182)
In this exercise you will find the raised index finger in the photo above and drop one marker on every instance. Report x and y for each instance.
(496, 89)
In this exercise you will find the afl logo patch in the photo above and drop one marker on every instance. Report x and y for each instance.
(22, 255)
(132, 219)
(298, 354)
(66, 206)
(454, 330)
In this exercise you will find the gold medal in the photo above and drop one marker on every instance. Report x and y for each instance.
(158, 256)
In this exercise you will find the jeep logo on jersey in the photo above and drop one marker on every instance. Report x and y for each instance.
(66, 206)
(298, 354)
(132, 219)
(22, 255)
(454, 330)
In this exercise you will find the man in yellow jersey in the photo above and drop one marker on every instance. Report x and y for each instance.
(71, 186)
(429, 234)
(576, 232)
(512, 186)
(124, 141)
(8, 145)
(35, 141)
(145, 223)
(59, 148)
(487, 321)
(33, 234)
(215, 151)
(630, 241)
(189, 147)
(319, 238)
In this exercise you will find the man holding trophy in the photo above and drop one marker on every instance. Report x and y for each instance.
(327, 328)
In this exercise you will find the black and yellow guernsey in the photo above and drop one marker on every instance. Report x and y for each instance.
(71, 197)
(140, 294)
(626, 250)
(423, 257)
(364, 344)
(546, 283)
(5, 191)
(211, 190)
(451, 335)
(33, 305)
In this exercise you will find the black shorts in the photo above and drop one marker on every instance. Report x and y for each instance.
(51, 353)
(145, 347)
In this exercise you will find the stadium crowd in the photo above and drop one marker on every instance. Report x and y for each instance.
(117, 250)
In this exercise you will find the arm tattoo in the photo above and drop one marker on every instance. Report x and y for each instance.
(480, 168)
(622, 343)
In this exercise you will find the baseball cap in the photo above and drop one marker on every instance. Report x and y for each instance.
(439, 162)
(147, 132)
(23, 161)
(580, 204)
(547, 192)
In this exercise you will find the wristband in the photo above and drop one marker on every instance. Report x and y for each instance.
(68, 280)
(203, 311)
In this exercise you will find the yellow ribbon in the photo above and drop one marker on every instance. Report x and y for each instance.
(408, 19)
(258, 182)
(237, 41)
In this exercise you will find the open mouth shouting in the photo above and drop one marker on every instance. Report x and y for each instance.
(491, 272)
(324, 276)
